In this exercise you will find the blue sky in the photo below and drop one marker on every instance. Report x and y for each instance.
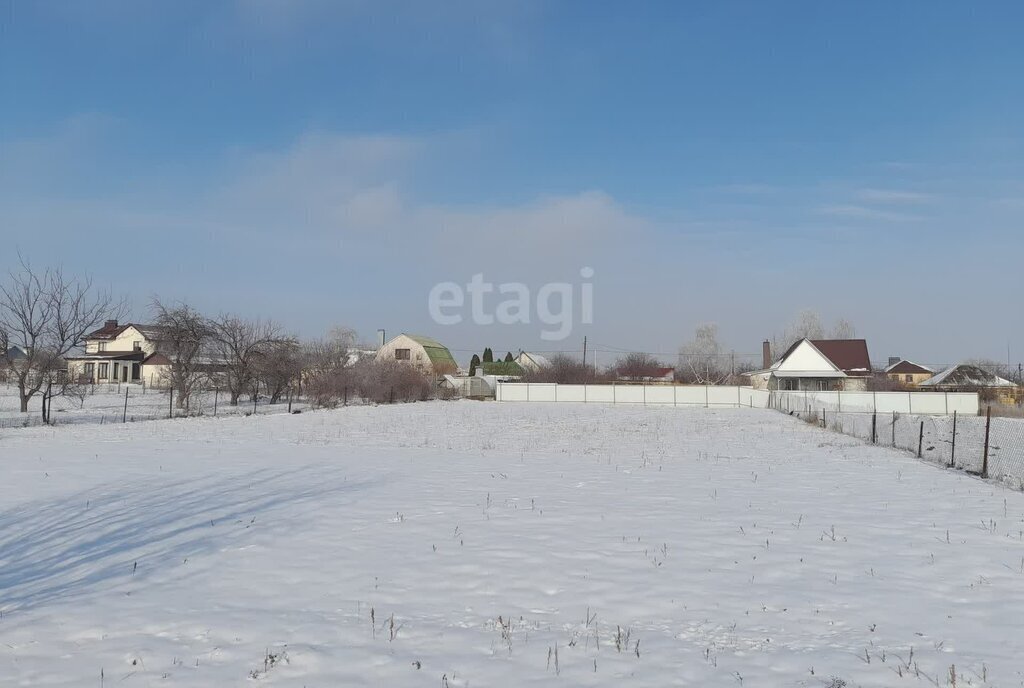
(327, 163)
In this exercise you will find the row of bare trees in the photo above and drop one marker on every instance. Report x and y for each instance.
(253, 357)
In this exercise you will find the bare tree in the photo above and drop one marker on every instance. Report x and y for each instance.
(392, 381)
(806, 325)
(280, 370)
(183, 337)
(637, 366)
(327, 371)
(240, 346)
(47, 314)
(563, 369)
(843, 329)
(702, 359)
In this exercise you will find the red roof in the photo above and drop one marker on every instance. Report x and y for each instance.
(849, 355)
(110, 330)
(906, 367)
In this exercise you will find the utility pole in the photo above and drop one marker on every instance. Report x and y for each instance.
(584, 350)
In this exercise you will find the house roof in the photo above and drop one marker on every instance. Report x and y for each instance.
(15, 353)
(436, 351)
(907, 367)
(536, 359)
(662, 372)
(502, 368)
(966, 375)
(111, 330)
(849, 355)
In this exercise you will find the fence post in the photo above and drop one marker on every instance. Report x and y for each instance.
(124, 415)
(706, 396)
(290, 398)
(170, 403)
(984, 460)
(952, 453)
(910, 404)
(920, 440)
(894, 428)
(216, 398)
(874, 434)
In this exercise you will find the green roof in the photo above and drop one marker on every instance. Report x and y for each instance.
(436, 351)
(502, 368)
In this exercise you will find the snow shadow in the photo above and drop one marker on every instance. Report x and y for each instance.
(56, 549)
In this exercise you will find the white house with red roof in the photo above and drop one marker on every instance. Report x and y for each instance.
(818, 365)
(120, 353)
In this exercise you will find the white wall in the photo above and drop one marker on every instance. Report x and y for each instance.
(925, 403)
(645, 395)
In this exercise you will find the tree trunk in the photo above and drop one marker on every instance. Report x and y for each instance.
(24, 401)
(235, 396)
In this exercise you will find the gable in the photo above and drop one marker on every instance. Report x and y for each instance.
(805, 358)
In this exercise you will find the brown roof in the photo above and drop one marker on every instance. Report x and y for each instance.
(849, 355)
(109, 330)
(906, 367)
(157, 359)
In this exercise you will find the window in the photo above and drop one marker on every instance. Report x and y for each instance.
(102, 346)
(136, 346)
(402, 354)
(910, 378)
(419, 357)
(823, 385)
(90, 368)
(104, 371)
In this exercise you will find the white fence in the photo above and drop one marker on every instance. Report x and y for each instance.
(650, 395)
(919, 403)
(709, 396)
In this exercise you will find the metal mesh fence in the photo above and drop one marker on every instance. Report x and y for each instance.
(990, 447)
(103, 404)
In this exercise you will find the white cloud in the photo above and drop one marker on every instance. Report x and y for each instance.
(862, 212)
(894, 196)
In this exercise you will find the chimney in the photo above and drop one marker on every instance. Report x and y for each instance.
(110, 323)
(380, 338)
(893, 360)
(766, 354)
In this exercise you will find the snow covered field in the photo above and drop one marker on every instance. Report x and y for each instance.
(106, 404)
(480, 544)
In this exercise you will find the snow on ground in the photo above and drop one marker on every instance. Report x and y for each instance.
(480, 544)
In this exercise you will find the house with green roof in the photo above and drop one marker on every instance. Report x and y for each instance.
(426, 354)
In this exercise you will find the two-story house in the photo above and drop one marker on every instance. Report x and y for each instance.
(120, 353)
